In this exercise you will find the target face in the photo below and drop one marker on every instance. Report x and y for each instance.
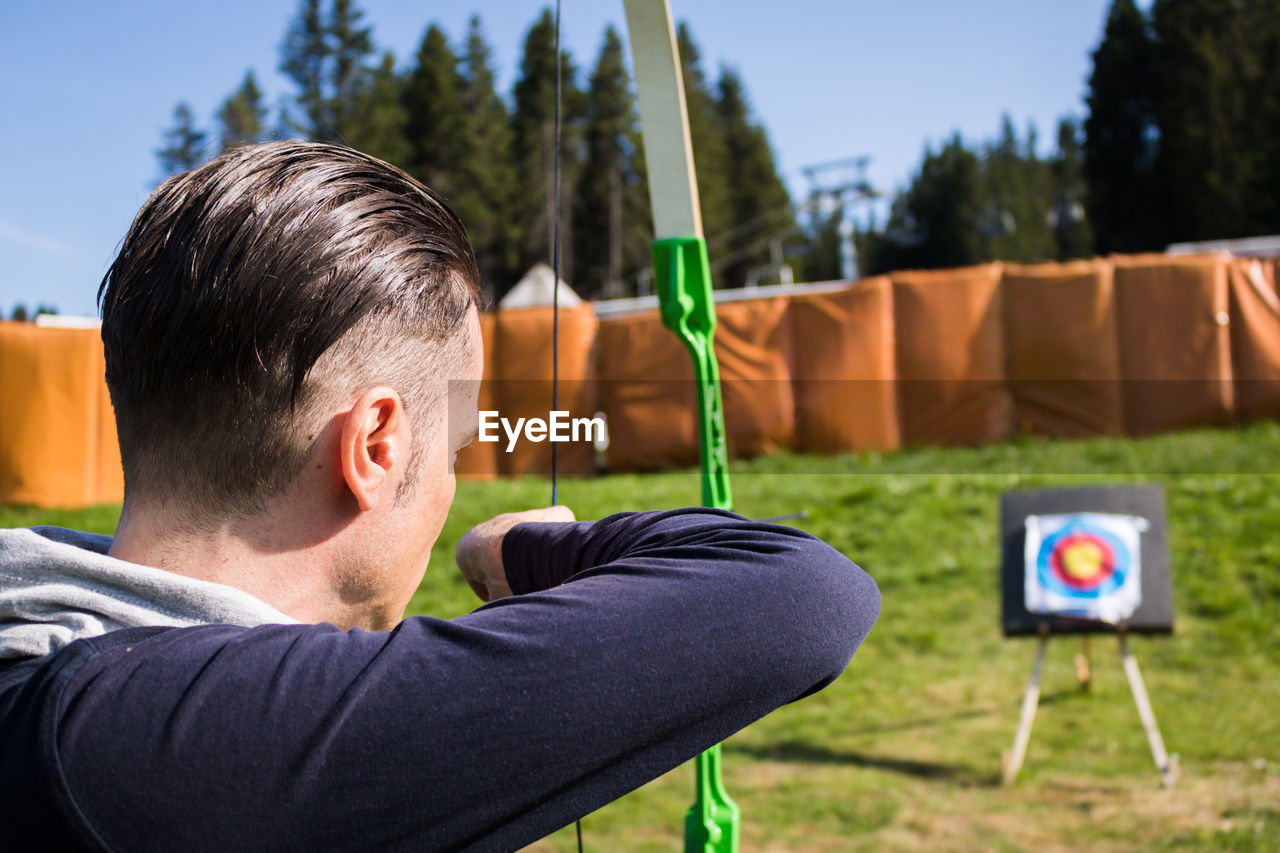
(1084, 564)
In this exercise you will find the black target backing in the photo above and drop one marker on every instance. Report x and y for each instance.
(1153, 616)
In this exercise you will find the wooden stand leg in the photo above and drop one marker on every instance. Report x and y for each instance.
(1012, 761)
(1084, 665)
(1168, 769)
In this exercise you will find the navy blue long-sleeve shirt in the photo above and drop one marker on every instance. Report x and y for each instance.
(631, 644)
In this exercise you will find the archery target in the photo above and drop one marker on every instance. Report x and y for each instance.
(1085, 565)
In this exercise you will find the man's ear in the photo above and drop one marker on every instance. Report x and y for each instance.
(374, 447)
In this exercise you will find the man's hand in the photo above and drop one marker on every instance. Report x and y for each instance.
(479, 551)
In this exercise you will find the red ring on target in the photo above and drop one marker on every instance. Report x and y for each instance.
(1082, 560)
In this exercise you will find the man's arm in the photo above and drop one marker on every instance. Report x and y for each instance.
(631, 644)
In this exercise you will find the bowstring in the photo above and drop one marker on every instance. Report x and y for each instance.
(555, 265)
(555, 291)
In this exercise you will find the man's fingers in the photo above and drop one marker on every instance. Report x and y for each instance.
(479, 551)
(481, 589)
(558, 513)
(497, 589)
(546, 514)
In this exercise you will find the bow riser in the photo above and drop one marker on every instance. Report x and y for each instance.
(683, 277)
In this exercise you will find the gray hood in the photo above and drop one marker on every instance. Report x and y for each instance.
(58, 586)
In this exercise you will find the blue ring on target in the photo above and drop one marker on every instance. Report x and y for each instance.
(1049, 579)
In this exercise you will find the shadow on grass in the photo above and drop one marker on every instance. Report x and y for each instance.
(1010, 710)
(807, 753)
(926, 722)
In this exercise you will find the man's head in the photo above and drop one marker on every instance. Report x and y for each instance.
(259, 292)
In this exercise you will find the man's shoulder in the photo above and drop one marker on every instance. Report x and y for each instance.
(35, 805)
(59, 713)
(46, 680)
(41, 675)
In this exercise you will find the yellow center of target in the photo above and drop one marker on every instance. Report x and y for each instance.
(1082, 560)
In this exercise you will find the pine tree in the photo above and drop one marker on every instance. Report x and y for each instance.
(757, 197)
(377, 125)
(533, 146)
(351, 45)
(937, 222)
(1017, 199)
(327, 57)
(1204, 165)
(999, 222)
(611, 216)
(1262, 22)
(437, 124)
(304, 57)
(709, 154)
(183, 143)
(1041, 241)
(820, 260)
(1070, 222)
(243, 115)
(1210, 159)
(1120, 136)
(485, 208)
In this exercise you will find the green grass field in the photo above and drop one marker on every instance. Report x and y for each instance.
(902, 752)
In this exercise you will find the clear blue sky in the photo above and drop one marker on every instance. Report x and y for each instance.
(88, 87)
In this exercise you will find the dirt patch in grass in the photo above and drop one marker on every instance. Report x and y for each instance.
(1072, 815)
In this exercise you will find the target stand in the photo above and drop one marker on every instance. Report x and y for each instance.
(1086, 561)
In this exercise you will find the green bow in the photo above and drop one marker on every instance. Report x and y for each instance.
(683, 278)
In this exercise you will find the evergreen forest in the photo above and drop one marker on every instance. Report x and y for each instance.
(1180, 141)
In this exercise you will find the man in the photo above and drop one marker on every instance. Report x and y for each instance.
(231, 672)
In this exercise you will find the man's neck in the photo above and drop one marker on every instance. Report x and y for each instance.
(286, 565)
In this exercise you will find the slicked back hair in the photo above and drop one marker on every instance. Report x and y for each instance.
(257, 292)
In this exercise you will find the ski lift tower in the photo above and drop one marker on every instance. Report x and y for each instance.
(843, 186)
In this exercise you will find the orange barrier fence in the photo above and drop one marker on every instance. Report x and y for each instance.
(522, 383)
(1175, 349)
(1255, 339)
(759, 408)
(950, 355)
(1062, 349)
(843, 372)
(1123, 345)
(651, 415)
(57, 433)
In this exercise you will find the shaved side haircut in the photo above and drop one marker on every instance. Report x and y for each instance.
(254, 295)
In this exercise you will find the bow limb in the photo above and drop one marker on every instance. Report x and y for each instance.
(683, 278)
(682, 272)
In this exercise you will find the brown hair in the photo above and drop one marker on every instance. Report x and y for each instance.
(251, 293)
